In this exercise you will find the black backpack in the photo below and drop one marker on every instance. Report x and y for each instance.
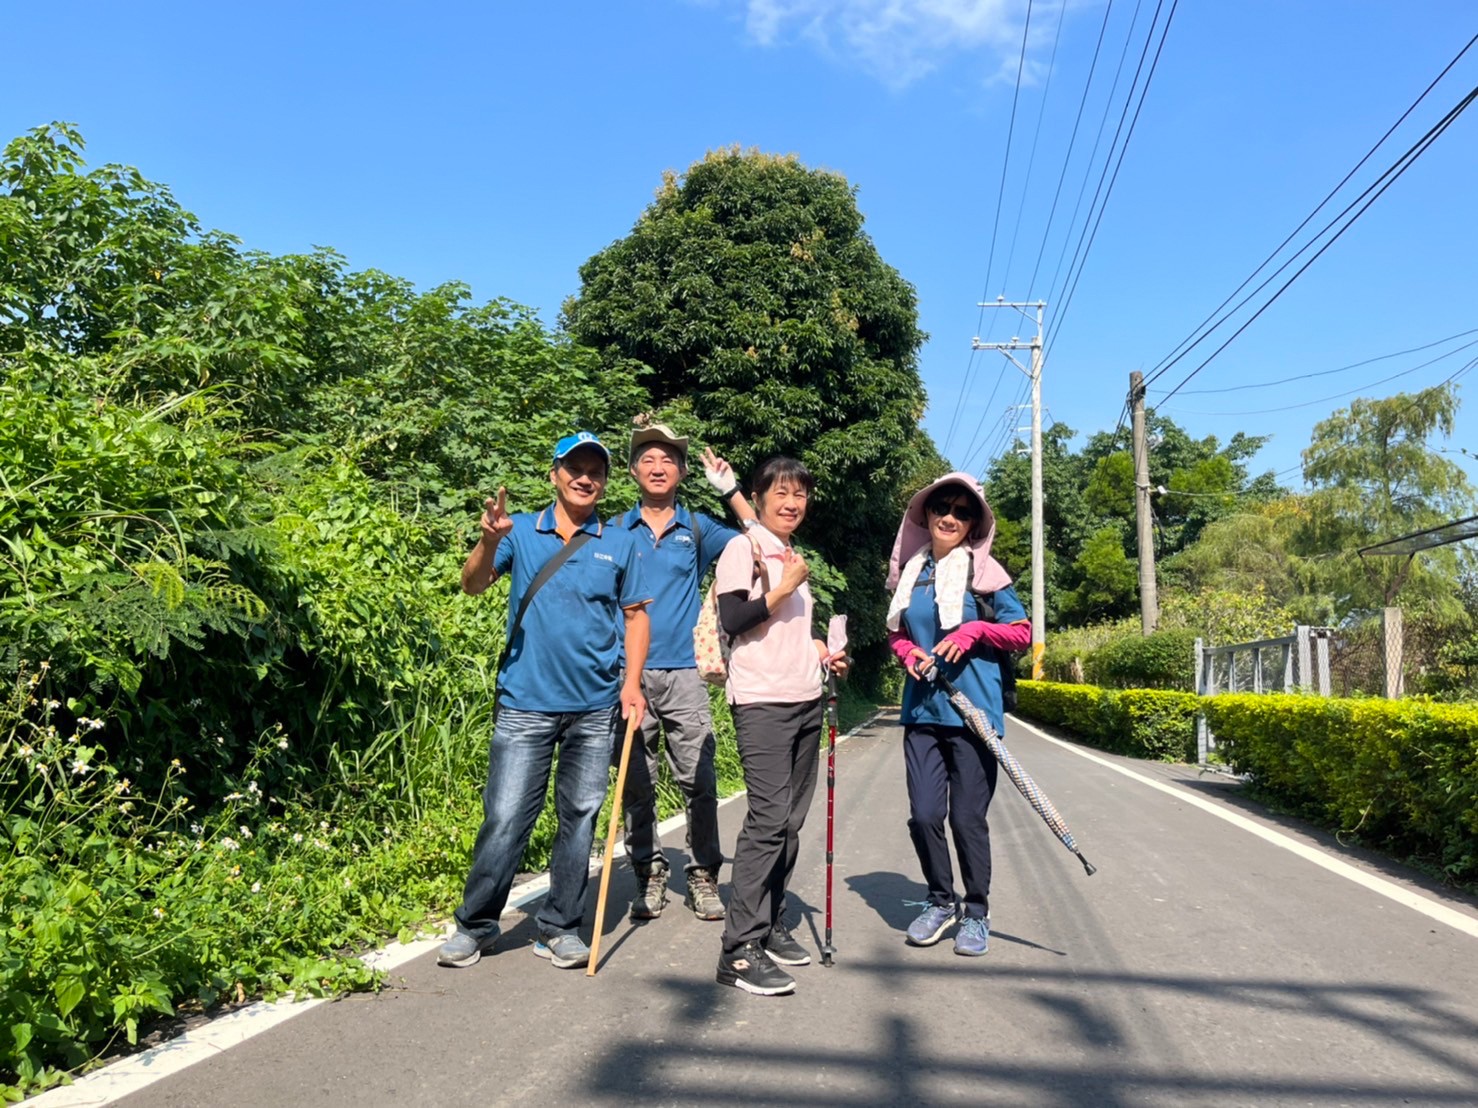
(1004, 658)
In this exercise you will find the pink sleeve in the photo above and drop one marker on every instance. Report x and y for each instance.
(902, 646)
(1007, 636)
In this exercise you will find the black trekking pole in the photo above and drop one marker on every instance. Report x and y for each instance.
(827, 950)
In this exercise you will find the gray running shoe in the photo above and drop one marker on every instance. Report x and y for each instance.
(973, 938)
(651, 894)
(703, 899)
(463, 950)
(566, 951)
(931, 925)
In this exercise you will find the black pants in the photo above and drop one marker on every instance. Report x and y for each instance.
(951, 774)
(779, 746)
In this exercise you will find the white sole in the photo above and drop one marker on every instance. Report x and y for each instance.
(779, 961)
(560, 963)
(756, 990)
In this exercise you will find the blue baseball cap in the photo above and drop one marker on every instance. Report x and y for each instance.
(577, 440)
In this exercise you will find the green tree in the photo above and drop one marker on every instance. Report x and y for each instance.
(1375, 476)
(749, 290)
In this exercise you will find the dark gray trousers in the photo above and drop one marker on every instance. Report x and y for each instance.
(779, 747)
(951, 776)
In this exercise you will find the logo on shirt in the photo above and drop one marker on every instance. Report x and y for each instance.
(605, 557)
(686, 540)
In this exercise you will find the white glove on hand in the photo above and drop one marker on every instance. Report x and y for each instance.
(719, 474)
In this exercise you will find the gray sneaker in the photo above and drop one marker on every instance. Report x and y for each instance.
(566, 951)
(463, 950)
(703, 899)
(973, 938)
(931, 925)
(651, 894)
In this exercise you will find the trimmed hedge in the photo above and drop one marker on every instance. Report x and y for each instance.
(1143, 723)
(1401, 774)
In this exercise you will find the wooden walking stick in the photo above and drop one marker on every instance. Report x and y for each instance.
(606, 864)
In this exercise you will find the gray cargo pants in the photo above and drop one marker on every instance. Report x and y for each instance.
(677, 703)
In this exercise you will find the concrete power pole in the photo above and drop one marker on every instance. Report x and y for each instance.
(1039, 577)
(1149, 600)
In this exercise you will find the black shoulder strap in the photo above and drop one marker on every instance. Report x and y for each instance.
(698, 541)
(546, 571)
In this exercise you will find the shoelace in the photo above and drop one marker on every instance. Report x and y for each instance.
(973, 925)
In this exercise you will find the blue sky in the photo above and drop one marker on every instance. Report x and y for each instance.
(504, 144)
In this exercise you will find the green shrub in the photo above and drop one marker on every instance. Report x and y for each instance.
(1143, 723)
(1402, 774)
(1163, 660)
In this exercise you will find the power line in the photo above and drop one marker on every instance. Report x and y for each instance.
(1335, 396)
(1178, 352)
(1341, 369)
(1031, 160)
(996, 225)
(1405, 162)
(1067, 157)
(1082, 260)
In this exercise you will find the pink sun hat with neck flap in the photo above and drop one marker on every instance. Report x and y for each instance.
(913, 534)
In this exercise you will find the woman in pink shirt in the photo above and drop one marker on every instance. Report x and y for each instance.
(775, 689)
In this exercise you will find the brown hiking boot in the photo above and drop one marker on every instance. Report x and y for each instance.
(651, 894)
(703, 899)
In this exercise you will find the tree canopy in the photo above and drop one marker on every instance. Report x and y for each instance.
(753, 300)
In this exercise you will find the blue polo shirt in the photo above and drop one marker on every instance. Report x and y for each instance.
(977, 675)
(672, 572)
(567, 657)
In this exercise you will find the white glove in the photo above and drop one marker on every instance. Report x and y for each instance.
(719, 474)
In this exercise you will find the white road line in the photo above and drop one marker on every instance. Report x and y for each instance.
(1406, 897)
(128, 1075)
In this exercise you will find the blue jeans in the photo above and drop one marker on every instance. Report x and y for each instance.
(519, 760)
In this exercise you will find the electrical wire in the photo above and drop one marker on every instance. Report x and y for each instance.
(995, 226)
(1335, 396)
(1341, 369)
(1390, 177)
(1082, 261)
(1196, 336)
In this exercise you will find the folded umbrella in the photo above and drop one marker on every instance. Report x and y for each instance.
(976, 720)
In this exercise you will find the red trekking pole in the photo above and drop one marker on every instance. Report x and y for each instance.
(827, 950)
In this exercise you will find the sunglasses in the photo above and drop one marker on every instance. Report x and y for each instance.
(963, 511)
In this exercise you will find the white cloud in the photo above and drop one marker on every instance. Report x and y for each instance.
(899, 41)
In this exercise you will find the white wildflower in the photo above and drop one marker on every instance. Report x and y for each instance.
(256, 886)
(158, 913)
(245, 831)
(79, 766)
(297, 837)
(230, 843)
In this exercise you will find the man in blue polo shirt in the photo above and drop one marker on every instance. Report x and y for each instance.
(559, 687)
(677, 547)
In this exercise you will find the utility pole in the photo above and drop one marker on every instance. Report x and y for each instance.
(1039, 583)
(1149, 600)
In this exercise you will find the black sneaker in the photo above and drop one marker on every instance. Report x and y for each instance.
(781, 946)
(749, 968)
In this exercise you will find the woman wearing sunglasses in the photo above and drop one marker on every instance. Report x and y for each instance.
(953, 606)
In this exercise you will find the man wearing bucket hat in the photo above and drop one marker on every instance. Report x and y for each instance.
(560, 687)
(677, 546)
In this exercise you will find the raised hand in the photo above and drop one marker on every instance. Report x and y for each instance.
(718, 472)
(795, 571)
(496, 522)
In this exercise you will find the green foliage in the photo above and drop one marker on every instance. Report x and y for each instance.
(1089, 505)
(1162, 660)
(749, 289)
(1402, 775)
(1143, 723)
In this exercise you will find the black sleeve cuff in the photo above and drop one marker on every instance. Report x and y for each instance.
(738, 614)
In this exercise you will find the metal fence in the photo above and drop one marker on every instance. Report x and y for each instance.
(1299, 661)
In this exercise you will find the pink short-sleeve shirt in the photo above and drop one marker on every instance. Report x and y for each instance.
(775, 662)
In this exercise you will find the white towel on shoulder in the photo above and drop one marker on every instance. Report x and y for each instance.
(951, 579)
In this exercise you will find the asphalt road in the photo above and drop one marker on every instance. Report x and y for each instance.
(1202, 964)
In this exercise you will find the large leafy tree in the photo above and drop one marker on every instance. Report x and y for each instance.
(750, 292)
(1375, 475)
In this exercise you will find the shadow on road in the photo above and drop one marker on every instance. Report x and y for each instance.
(905, 1063)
